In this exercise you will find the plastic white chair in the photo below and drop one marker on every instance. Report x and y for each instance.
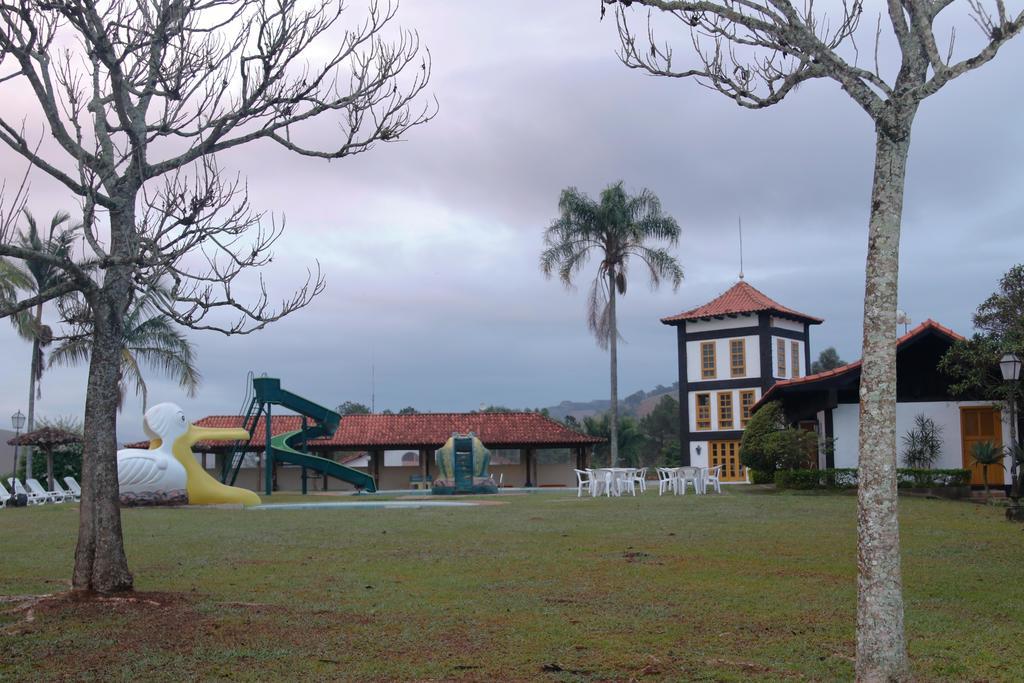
(713, 477)
(40, 490)
(584, 478)
(601, 482)
(666, 479)
(4, 496)
(73, 487)
(625, 481)
(18, 488)
(640, 478)
(688, 475)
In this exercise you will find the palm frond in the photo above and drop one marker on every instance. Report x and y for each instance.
(130, 371)
(617, 226)
(71, 352)
(660, 265)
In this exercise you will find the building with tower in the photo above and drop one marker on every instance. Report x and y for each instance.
(731, 351)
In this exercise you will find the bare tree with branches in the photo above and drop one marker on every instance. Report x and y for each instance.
(139, 97)
(758, 51)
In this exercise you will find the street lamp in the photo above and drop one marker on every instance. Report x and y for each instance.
(17, 421)
(1009, 366)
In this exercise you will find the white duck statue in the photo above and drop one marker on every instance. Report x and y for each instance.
(168, 472)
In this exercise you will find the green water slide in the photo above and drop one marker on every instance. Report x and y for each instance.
(290, 446)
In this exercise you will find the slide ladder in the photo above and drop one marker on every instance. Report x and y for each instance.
(290, 447)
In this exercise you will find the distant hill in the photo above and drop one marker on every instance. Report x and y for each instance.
(637, 404)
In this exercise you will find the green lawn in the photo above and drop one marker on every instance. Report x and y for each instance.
(740, 586)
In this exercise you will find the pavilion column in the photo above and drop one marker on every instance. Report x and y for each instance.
(528, 457)
(377, 456)
(423, 464)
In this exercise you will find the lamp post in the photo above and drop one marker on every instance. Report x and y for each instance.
(1009, 366)
(17, 421)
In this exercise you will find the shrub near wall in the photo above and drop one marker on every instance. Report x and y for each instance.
(846, 478)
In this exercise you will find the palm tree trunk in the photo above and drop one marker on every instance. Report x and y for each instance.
(32, 382)
(881, 644)
(100, 561)
(613, 353)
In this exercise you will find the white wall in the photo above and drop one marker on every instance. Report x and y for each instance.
(786, 324)
(846, 422)
(723, 368)
(789, 353)
(744, 320)
(702, 459)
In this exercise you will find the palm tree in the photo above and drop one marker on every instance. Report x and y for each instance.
(150, 339)
(986, 453)
(38, 276)
(616, 228)
(629, 439)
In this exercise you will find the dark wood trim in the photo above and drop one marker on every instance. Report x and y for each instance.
(750, 331)
(729, 435)
(684, 397)
(830, 433)
(721, 384)
(807, 349)
(764, 333)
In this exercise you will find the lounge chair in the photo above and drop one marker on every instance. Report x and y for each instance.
(73, 487)
(40, 490)
(57, 488)
(33, 498)
(4, 496)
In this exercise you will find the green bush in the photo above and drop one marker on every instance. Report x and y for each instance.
(769, 445)
(759, 477)
(846, 478)
(801, 479)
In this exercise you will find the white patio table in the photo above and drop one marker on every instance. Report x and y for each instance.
(618, 474)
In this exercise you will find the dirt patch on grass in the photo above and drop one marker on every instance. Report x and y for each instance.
(88, 634)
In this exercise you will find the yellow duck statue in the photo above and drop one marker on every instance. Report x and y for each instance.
(168, 473)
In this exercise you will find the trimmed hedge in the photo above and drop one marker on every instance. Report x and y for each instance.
(846, 478)
(759, 477)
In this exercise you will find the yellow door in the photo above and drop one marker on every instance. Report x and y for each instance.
(727, 454)
(978, 425)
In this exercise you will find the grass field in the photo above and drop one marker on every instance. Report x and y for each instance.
(740, 586)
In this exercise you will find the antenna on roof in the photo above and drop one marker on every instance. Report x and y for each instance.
(739, 220)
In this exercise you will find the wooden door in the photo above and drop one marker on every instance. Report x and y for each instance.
(977, 425)
(727, 454)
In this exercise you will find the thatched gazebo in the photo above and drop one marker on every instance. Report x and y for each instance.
(46, 439)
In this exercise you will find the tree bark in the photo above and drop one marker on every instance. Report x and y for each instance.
(881, 643)
(33, 379)
(613, 353)
(100, 561)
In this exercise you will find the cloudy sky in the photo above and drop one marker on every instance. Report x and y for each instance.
(430, 245)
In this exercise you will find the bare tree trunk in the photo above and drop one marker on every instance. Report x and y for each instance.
(881, 643)
(33, 380)
(613, 352)
(100, 561)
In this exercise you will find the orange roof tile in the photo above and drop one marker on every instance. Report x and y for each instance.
(362, 432)
(740, 298)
